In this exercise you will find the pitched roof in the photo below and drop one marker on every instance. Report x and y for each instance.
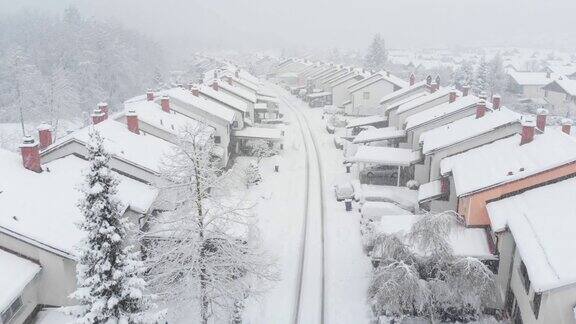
(208, 106)
(385, 155)
(466, 128)
(41, 208)
(531, 78)
(543, 224)
(567, 85)
(506, 160)
(223, 98)
(442, 110)
(15, 274)
(391, 97)
(425, 99)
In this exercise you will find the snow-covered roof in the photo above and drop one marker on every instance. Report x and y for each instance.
(201, 103)
(224, 98)
(238, 91)
(15, 274)
(428, 97)
(568, 85)
(506, 160)
(152, 114)
(144, 151)
(380, 76)
(378, 134)
(404, 197)
(469, 242)
(429, 190)
(543, 224)
(385, 155)
(53, 316)
(259, 132)
(365, 121)
(531, 78)
(442, 110)
(400, 101)
(41, 208)
(416, 87)
(466, 128)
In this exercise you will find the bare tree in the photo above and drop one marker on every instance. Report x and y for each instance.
(207, 251)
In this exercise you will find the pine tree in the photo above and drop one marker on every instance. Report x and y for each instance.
(464, 75)
(377, 56)
(482, 77)
(496, 75)
(110, 274)
(252, 174)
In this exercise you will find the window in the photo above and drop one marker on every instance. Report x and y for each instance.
(536, 303)
(217, 139)
(366, 95)
(11, 311)
(524, 276)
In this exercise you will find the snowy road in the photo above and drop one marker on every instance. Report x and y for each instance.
(309, 306)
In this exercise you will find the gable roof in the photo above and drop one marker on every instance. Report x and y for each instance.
(425, 99)
(15, 274)
(543, 224)
(201, 103)
(41, 208)
(442, 110)
(566, 85)
(506, 160)
(223, 98)
(416, 87)
(466, 128)
(530, 78)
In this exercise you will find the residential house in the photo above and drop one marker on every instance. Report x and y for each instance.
(561, 94)
(239, 107)
(534, 231)
(507, 166)
(365, 94)
(19, 282)
(39, 223)
(529, 84)
(339, 88)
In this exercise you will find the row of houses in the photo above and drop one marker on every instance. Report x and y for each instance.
(38, 191)
(509, 176)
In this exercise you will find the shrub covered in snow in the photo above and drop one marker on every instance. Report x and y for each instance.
(261, 149)
(418, 275)
(252, 174)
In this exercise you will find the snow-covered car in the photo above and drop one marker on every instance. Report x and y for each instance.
(343, 191)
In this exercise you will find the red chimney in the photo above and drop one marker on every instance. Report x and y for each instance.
(480, 109)
(150, 95)
(527, 130)
(541, 119)
(566, 125)
(496, 102)
(104, 109)
(412, 79)
(434, 87)
(452, 96)
(429, 80)
(97, 116)
(229, 80)
(215, 85)
(195, 92)
(465, 90)
(132, 122)
(165, 103)
(30, 154)
(438, 80)
(44, 135)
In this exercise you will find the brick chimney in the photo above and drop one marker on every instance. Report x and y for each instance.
(30, 154)
(437, 80)
(412, 79)
(496, 102)
(541, 115)
(452, 96)
(434, 87)
(215, 85)
(480, 109)
(566, 125)
(150, 95)
(44, 135)
(104, 109)
(97, 116)
(132, 122)
(229, 80)
(528, 126)
(165, 103)
(465, 90)
(429, 80)
(195, 91)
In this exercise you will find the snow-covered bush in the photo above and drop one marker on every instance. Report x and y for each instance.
(412, 184)
(261, 149)
(418, 275)
(252, 174)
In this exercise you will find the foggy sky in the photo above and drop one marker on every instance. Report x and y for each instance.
(245, 24)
